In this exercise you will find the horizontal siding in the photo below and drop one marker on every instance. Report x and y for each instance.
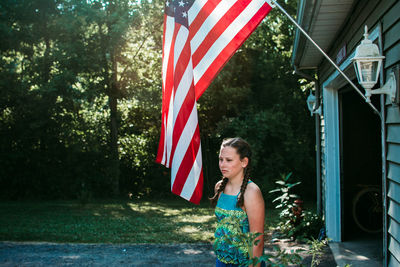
(393, 115)
(393, 262)
(392, 35)
(394, 210)
(371, 21)
(393, 134)
(391, 50)
(394, 248)
(394, 229)
(391, 16)
(394, 172)
(366, 13)
(394, 191)
(392, 55)
(393, 153)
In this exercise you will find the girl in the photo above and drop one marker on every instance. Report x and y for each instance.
(237, 197)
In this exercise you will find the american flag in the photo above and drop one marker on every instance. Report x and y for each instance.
(199, 38)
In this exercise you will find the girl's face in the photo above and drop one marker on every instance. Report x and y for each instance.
(230, 164)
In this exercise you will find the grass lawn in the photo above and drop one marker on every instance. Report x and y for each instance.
(112, 221)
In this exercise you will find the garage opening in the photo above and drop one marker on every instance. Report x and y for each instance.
(361, 168)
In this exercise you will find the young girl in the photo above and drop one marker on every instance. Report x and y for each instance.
(237, 197)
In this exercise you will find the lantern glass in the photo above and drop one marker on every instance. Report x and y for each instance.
(311, 101)
(369, 71)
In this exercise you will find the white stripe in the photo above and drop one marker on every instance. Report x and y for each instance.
(170, 127)
(195, 9)
(183, 143)
(193, 177)
(169, 31)
(226, 37)
(183, 89)
(180, 42)
(163, 161)
(210, 22)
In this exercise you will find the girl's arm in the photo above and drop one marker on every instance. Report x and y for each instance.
(255, 209)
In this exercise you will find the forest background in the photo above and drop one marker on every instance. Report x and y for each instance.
(80, 102)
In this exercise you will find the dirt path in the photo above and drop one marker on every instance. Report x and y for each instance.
(52, 254)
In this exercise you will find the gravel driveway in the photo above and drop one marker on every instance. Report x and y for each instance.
(54, 254)
(51, 254)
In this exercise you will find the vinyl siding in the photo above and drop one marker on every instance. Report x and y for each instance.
(384, 13)
(391, 50)
(323, 170)
(393, 196)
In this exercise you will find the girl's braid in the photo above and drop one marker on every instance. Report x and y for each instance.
(221, 188)
(243, 187)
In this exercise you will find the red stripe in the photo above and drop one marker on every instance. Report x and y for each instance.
(167, 92)
(182, 118)
(187, 163)
(202, 16)
(228, 51)
(165, 100)
(182, 63)
(196, 197)
(173, 78)
(218, 29)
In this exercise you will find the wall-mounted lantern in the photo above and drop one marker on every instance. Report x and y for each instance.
(367, 63)
(311, 104)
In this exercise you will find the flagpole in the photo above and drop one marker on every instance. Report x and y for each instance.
(274, 3)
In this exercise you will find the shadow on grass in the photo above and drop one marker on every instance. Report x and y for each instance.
(110, 221)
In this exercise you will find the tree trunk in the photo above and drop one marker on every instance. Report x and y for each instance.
(112, 101)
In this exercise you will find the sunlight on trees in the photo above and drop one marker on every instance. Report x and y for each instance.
(81, 100)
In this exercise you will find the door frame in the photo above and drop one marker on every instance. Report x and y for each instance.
(332, 188)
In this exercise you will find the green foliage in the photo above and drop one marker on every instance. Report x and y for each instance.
(316, 248)
(309, 227)
(257, 97)
(288, 220)
(81, 101)
(279, 257)
(240, 239)
(304, 226)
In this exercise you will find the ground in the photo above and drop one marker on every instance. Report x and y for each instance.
(53, 254)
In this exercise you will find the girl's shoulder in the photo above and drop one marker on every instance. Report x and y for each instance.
(252, 188)
(252, 185)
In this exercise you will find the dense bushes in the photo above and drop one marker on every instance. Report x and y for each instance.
(65, 64)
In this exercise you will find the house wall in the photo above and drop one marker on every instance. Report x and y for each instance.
(384, 13)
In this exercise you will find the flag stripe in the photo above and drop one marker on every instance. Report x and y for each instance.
(227, 36)
(186, 173)
(194, 175)
(217, 30)
(206, 70)
(210, 22)
(183, 143)
(200, 16)
(196, 196)
(182, 120)
(199, 37)
(167, 74)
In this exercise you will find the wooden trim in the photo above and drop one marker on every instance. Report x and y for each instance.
(332, 165)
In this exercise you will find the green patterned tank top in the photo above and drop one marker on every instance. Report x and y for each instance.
(232, 251)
